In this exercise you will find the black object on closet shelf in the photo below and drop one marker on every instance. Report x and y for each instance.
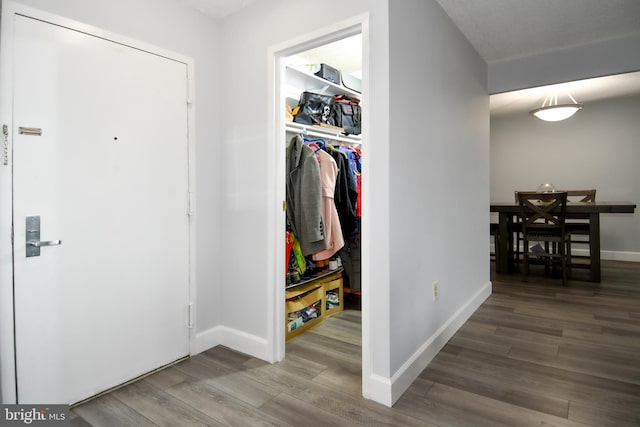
(329, 73)
(314, 108)
(348, 114)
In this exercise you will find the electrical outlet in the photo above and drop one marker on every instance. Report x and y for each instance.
(436, 290)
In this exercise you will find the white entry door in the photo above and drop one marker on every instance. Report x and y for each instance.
(102, 159)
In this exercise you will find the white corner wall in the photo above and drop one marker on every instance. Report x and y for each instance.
(600, 144)
(439, 160)
(407, 246)
(247, 271)
(251, 180)
(428, 127)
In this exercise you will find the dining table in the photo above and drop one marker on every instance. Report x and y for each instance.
(590, 211)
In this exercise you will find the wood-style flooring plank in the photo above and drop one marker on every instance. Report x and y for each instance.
(497, 385)
(221, 406)
(436, 414)
(298, 412)
(600, 369)
(597, 415)
(534, 354)
(303, 367)
(109, 411)
(494, 411)
(161, 408)
(333, 327)
(232, 382)
(166, 378)
(347, 380)
(545, 380)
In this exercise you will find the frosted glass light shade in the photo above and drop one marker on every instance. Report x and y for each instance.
(556, 113)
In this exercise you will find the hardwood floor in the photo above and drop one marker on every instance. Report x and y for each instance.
(534, 354)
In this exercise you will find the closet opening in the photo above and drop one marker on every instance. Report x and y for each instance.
(320, 165)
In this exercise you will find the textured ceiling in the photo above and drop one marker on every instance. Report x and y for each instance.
(217, 8)
(506, 29)
(584, 91)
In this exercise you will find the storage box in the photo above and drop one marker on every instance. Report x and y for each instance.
(329, 73)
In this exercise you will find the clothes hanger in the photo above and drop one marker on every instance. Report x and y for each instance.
(321, 140)
(318, 143)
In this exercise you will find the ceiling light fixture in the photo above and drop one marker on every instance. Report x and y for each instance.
(551, 111)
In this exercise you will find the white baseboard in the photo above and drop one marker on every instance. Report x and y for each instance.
(604, 255)
(621, 256)
(234, 339)
(611, 255)
(388, 391)
(380, 390)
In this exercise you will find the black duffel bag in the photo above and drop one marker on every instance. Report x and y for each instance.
(314, 108)
(348, 114)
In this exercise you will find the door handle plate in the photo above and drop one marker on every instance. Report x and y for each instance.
(32, 237)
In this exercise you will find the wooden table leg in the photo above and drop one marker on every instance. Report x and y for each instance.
(594, 247)
(502, 256)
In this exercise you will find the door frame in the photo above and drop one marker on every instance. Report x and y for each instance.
(277, 182)
(8, 380)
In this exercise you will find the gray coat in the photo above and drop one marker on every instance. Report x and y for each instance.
(304, 196)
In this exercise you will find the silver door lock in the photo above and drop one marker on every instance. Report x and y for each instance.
(32, 237)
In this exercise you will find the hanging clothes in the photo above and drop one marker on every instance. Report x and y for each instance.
(354, 156)
(358, 171)
(304, 197)
(333, 230)
(345, 193)
(350, 254)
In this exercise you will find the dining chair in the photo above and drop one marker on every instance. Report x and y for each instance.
(581, 195)
(516, 241)
(579, 228)
(494, 229)
(545, 239)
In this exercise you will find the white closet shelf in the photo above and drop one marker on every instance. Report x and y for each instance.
(322, 132)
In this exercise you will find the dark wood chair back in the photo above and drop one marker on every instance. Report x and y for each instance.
(542, 213)
(542, 216)
(579, 229)
(581, 195)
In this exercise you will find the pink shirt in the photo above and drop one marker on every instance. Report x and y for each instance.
(333, 230)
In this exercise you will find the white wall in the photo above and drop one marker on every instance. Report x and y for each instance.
(597, 148)
(443, 163)
(165, 24)
(439, 157)
(248, 275)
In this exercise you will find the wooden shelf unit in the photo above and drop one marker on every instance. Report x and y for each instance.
(312, 293)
